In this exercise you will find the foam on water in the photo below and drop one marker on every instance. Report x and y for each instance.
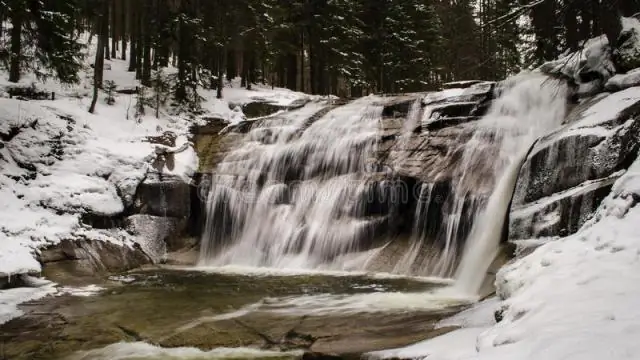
(142, 351)
(374, 302)
(268, 271)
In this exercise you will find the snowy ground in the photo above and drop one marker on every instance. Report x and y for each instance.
(58, 162)
(573, 298)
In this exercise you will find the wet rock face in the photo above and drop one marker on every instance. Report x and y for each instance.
(421, 143)
(569, 172)
(157, 235)
(163, 195)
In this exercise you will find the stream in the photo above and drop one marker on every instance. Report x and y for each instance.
(173, 313)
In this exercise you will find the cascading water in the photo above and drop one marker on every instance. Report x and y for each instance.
(529, 106)
(490, 154)
(290, 197)
(293, 195)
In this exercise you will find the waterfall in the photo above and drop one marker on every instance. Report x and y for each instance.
(529, 106)
(292, 196)
(296, 194)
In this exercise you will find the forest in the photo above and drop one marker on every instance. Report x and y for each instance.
(340, 47)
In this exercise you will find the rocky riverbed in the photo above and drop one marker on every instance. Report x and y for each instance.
(173, 308)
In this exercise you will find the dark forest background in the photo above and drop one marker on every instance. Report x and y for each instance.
(342, 47)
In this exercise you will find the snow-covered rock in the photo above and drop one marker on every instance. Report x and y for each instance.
(569, 172)
(623, 81)
(593, 64)
(627, 52)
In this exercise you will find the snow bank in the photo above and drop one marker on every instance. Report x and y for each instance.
(10, 299)
(59, 162)
(573, 298)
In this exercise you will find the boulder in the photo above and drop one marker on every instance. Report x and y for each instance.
(163, 195)
(627, 52)
(568, 172)
(623, 81)
(158, 235)
(72, 260)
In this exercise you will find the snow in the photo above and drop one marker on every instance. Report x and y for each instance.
(572, 298)
(61, 162)
(10, 299)
(599, 119)
(624, 81)
(608, 108)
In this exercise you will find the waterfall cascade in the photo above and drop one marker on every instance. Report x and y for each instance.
(529, 106)
(289, 197)
(293, 195)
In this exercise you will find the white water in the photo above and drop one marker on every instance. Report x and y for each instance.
(140, 351)
(292, 202)
(530, 106)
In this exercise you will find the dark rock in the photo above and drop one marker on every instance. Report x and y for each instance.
(168, 138)
(163, 195)
(320, 356)
(260, 109)
(461, 84)
(562, 215)
(76, 259)
(569, 172)
(444, 122)
(158, 235)
(627, 52)
(127, 91)
(28, 93)
(456, 109)
(99, 221)
(399, 107)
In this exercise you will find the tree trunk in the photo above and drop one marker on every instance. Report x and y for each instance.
(292, 71)
(140, 40)
(611, 23)
(105, 24)
(114, 34)
(146, 68)
(133, 52)
(123, 34)
(231, 65)
(17, 18)
(98, 67)
(103, 39)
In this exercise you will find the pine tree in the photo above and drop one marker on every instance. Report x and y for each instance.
(110, 89)
(57, 46)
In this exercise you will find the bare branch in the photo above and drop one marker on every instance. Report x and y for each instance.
(513, 14)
